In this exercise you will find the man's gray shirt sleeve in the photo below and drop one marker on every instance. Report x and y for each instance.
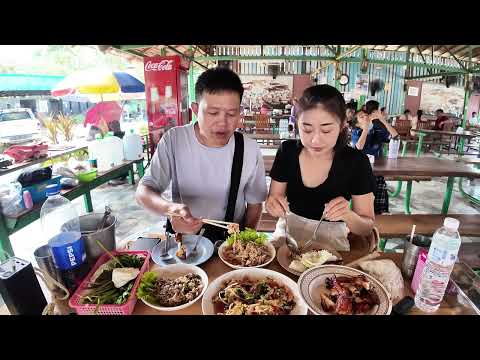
(256, 186)
(159, 175)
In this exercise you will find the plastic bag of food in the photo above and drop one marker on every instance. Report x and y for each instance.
(387, 273)
(11, 198)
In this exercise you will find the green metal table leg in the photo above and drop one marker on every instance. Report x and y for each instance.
(397, 191)
(140, 169)
(404, 148)
(420, 143)
(87, 200)
(5, 245)
(131, 176)
(448, 194)
(461, 143)
(407, 197)
(439, 154)
(467, 195)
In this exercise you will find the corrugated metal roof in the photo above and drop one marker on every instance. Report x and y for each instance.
(23, 82)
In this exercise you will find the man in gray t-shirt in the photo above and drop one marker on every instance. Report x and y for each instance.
(197, 160)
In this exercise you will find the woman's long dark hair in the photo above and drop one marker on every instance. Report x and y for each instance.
(333, 102)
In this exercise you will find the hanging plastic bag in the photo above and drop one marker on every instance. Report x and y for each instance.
(11, 199)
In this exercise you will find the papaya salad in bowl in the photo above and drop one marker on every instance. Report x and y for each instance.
(246, 249)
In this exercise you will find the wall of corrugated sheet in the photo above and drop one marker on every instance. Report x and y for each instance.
(392, 98)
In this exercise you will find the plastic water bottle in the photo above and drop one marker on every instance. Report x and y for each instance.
(61, 227)
(440, 262)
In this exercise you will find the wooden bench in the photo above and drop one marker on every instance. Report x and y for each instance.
(426, 224)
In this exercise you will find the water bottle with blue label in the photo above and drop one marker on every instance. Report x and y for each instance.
(61, 228)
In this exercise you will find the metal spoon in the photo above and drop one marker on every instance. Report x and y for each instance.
(291, 243)
(313, 236)
(165, 256)
(199, 236)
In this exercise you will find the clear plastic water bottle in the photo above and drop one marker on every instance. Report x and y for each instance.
(61, 227)
(440, 262)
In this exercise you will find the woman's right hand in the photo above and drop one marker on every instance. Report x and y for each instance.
(185, 222)
(277, 206)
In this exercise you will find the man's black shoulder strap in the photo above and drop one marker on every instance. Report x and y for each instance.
(235, 177)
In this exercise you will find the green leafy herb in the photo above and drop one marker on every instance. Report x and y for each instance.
(246, 236)
(147, 287)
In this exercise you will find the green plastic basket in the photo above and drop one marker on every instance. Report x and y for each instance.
(87, 176)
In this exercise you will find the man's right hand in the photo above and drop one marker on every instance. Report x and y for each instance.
(277, 206)
(185, 222)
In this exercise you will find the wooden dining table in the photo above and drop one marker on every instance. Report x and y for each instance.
(214, 267)
(413, 166)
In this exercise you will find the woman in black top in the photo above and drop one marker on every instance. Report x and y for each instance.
(319, 173)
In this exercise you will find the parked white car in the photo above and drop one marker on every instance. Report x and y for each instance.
(18, 125)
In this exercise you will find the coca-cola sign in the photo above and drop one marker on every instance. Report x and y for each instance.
(164, 65)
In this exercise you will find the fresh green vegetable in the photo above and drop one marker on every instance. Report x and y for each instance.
(103, 291)
(147, 287)
(248, 235)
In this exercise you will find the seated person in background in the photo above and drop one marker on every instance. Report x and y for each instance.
(350, 114)
(416, 120)
(384, 112)
(371, 132)
(441, 120)
(473, 120)
(406, 115)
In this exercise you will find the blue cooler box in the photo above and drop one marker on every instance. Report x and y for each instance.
(39, 191)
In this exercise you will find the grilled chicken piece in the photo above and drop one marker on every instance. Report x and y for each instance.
(327, 304)
(344, 305)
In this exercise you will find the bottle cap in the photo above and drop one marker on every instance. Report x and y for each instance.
(132, 131)
(451, 223)
(53, 189)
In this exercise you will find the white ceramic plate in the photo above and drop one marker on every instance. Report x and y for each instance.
(312, 282)
(204, 251)
(284, 257)
(174, 271)
(253, 274)
(222, 247)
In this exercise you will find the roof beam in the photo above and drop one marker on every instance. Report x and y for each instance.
(424, 61)
(331, 49)
(458, 61)
(189, 57)
(435, 75)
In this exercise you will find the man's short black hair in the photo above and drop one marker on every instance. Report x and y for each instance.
(216, 80)
(371, 106)
(382, 109)
(439, 110)
(474, 113)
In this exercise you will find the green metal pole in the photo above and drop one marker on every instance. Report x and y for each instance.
(420, 143)
(87, 200)
(5, 245)
(469, 197)
(448, 194)
(397, 191)
(461, 142)
(404, 148)
(407, 197)
(191, 90)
